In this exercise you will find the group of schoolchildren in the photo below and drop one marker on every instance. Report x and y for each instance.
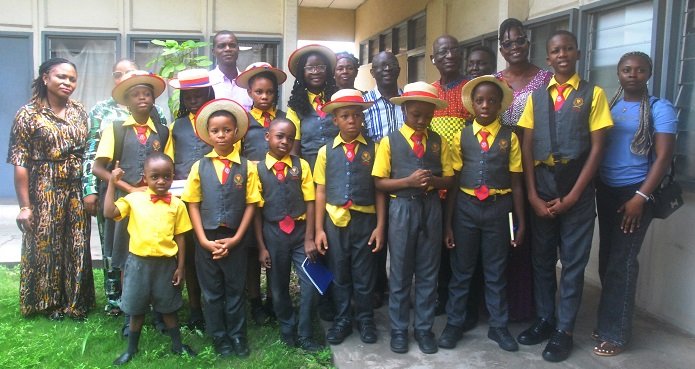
(246, 185)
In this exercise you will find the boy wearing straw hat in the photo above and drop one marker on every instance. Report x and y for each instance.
(411, 165)
(129, 142)
(222, 192)
(486, 158)
(354, 228)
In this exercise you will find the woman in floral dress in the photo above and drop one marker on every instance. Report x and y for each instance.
(47, 142)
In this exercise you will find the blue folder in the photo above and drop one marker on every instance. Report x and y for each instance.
(318, 274)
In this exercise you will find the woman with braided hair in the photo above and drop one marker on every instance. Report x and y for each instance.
(638, 154)
(47, 143)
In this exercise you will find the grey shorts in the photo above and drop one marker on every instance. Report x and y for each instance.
(147, 280)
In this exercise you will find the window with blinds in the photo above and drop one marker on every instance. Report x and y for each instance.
(685, 99)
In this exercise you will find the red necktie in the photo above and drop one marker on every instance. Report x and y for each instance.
(166, 198)
(350, 151)
(280, 170)
(266, 119)
(319, 107)
(142, 134)
(483, 143)
(418, 147)
(560, 100)
(227, 168)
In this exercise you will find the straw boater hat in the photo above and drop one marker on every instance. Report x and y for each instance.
(191, 79)
(231, 106)
(257, 68)
(293, 62)
(507, 94)
(346, 97)
(138, 78)
(420, 91)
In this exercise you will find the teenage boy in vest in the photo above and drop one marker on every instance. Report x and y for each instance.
(284, 231)
(353, 229)
(129, 143)
(487, 161)
(564, 131)
(222, 192)
(411, 165)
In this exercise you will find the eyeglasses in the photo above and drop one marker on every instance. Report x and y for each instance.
(315, 68)
(442, 53)
(521, 41)
(117, 74)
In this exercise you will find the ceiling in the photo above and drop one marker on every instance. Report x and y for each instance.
(333, 4)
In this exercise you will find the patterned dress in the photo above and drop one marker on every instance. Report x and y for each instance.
(449, 121)
(56, 265)
(519, 266)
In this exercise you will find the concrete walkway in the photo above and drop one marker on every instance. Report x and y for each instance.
(656, 345)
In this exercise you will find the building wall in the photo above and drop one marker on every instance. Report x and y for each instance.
(374, 16)
(326, 24)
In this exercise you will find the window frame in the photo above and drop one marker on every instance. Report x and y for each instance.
(45, 35)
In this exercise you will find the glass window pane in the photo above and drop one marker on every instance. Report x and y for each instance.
(685, 102)
(373, 49)
(416, 68)
(252, 52)
(417, 29)
(538, 35)
(364, 50)
(402, 36)
(94, 58)
(387, 41)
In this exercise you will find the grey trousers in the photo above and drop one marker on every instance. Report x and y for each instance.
(353, 265)
(286, 250)
(570, 235)
(415, 238)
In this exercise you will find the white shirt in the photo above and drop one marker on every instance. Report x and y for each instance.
(228, 89)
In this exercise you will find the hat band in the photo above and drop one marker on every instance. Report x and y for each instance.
(194, 82)
(419, 94)
(148, 85)
(351, 99)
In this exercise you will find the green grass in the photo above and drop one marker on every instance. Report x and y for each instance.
(37, 342)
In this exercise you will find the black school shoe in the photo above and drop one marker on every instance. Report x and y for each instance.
(399, 341)
(222, 346)
(367, 331)
(559, 347)
(340, 330)
(426, 342)
(185, 350)
(450, 336)
(309, 345)
(537, 333)
(503, 338)
(124, 358)
(241, 347)
(289, 339)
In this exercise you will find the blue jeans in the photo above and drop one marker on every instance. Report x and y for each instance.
(618, 265)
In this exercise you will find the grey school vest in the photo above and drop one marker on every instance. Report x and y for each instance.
(282, 198)
(316, 132)
(254, 144)
(222, 204)
(350, 181)
(134, 153)
(572, 122)
(490, 168)
(188, 148)
(404, 162)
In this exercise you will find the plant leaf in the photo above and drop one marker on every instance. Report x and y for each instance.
(204, 63)
(158, 42)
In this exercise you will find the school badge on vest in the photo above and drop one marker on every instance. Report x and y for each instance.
(504, 145)
(156, 145)
(434, 147)
(238, 181)
(577, 104)
(294, 172)
(366, 158)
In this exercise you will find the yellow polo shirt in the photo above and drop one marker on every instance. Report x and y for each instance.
(340, 215)
(294, 118)
(382, 162)
(494, 129)
(192, 191)
(152, 226)
(257, 114)
(105, 149)
(599, 117)
(308, 190)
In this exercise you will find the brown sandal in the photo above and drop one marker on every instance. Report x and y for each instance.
(606, 348)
